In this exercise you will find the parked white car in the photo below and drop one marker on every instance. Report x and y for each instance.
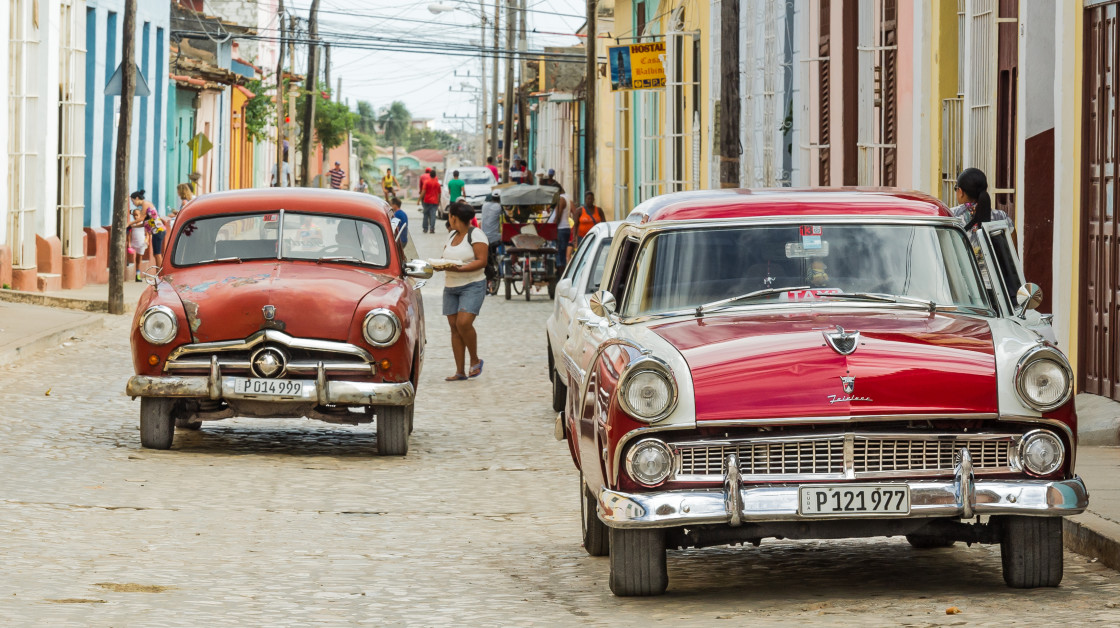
(579, 281)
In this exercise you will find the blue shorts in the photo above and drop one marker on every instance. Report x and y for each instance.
(466, 298)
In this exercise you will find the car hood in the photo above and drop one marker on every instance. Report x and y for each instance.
(226, 301)
(774, 365)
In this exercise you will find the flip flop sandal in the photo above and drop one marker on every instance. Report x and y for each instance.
(458, 377)
(476, 370)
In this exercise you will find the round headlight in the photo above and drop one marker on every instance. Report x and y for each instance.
(649, 462)
(648, 394)
(1042, 453)
(158, 326)
(381, 328)
(1043, 383)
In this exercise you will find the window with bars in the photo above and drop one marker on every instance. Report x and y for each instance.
(23, 44)
(621, 152)
(71, 135)
(877, 135)
(824, 92)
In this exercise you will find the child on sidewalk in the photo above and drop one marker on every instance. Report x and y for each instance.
(137, 238)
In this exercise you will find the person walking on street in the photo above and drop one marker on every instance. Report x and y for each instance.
(562, 217)
(337, 175)
(285, 175)
(424, 179)
(455, 187)
(493, 169)
(389, 185)
(153, 224)
(137, 239)
(465, 287)
(975, 204)
(549, 178)
(492, 227)
(402, 218)
(586, 217)
(429, 200)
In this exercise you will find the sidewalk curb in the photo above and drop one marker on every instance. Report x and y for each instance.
(50, 339)
(84, 305)
(1091, 535)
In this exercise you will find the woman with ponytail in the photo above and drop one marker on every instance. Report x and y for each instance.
(153, 223)
(975, 203)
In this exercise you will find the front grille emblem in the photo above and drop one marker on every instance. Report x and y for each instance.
(268, 362)
(843, 342)
(269, 312)
(849, 384)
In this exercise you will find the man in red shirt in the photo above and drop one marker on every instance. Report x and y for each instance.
(429, 200)
(424, 177)
(493, 169)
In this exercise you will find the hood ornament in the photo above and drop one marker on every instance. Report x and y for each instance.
(849, 384)
(842, 342)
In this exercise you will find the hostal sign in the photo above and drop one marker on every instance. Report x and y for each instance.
(637, 66)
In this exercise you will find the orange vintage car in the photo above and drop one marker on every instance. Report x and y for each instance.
(280, 303)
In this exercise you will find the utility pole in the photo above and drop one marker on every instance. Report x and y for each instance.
(311, 86)
(280, 99)
(522, 100)
(494, 92)
(507, 105)
(120, 183)
(293, 96)
(327, 65)
(482, 62)
(592, 75)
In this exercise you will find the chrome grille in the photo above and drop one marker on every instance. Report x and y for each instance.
(845, 456)
(303, 355)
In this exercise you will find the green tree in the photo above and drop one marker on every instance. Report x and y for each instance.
(259, 110)
(396, 122)
(430, 138)
(367, 118)
(333, 120)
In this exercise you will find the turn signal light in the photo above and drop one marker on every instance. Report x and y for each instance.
(385, 365)
(153, 359)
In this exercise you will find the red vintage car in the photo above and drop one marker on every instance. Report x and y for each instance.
(817, 364)
(280, 303)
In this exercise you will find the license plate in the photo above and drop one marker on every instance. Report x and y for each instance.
(854, 500)
(270, 387)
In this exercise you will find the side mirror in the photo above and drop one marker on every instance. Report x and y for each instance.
(418, 268)
(1028, 297)
(603, 304)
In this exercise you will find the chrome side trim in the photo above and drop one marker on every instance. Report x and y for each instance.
(666, 509)
(275, 336)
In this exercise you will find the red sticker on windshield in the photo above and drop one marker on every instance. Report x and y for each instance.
(272, 217)
(807, 230)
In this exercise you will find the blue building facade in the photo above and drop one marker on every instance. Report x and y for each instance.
(148, 167)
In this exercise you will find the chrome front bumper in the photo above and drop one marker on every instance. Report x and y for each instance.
(319, 391)
(963, 497)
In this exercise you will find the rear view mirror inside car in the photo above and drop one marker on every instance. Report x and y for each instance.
(798, 250)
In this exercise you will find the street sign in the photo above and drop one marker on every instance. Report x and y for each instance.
(113, 87)
(637, 66)
(200, 144)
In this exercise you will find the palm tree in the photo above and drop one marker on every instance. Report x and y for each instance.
(367, 118)
(395, 122)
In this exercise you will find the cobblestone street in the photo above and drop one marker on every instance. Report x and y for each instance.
(293, 522)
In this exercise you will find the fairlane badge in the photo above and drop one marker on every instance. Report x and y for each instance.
(838, 399)
(849, 384)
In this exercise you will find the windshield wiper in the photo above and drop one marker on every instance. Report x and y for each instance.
(224, 259)
(744, 297)
(885, 298)
(340, 258)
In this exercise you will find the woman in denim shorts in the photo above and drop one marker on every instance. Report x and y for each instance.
(465, 287)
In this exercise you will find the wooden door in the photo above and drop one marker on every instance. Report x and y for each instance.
(1099, 372)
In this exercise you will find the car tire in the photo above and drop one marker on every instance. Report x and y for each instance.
(392, 430)
(411, 414)
(157, 426)
(923, 541)
(1031, 550)
(638, 562)
(596, 535)
(552, 289)
(559, 393)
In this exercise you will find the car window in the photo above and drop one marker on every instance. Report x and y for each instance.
(257, 236)
(1008, 270)
(477, 178)
(621, 273)
(595, 274)
(576, 263)
(682, 269)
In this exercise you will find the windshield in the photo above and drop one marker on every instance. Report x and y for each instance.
(679, 270)
(483, 177)
(256, 236)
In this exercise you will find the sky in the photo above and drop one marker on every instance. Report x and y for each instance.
(422, 80)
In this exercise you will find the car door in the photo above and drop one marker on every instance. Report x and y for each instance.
(1004, 272)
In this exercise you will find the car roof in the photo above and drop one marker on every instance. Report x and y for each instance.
(313, 200)
(611, 226)
(756, 203)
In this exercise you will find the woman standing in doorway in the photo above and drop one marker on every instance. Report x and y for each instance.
(152, 223)
(975, 203)
(465, 287)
